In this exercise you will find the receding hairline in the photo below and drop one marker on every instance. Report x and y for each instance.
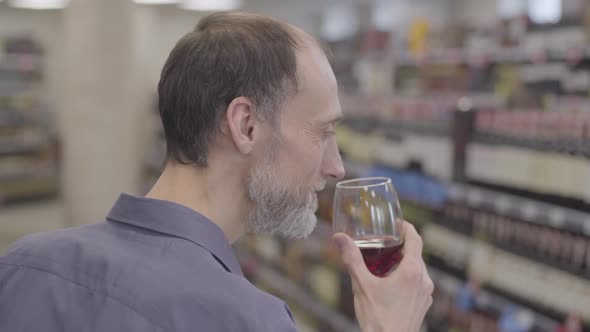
(304, 42)
(308, 40)
(302, 38)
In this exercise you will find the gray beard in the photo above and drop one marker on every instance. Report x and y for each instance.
(278, 209)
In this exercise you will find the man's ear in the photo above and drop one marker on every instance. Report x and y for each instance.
(241, 124)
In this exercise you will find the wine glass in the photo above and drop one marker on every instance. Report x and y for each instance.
(368, 210)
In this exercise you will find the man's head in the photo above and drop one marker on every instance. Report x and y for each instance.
(259, 94)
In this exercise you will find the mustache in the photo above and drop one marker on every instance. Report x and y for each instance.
(320, 187)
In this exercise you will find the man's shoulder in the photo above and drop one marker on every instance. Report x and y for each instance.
(93, 255)
(67, 271)
(61, 244)
(48, 244)
(230, 303)
(180, 284)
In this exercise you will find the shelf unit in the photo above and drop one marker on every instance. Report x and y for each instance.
(372, 147)
(264, 271)
(28, 145)
(461, 56)
(459, 221)
(402, 129)
(487, 299)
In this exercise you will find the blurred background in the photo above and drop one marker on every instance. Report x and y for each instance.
(478, 110)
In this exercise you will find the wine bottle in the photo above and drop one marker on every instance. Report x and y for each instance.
(530, 237)
(501, 230)
(509, 230)
(546, 238)
(497, 229)
(567, 241)
(555, 245)
(579, 250)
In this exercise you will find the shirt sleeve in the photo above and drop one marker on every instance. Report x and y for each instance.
(33, 300)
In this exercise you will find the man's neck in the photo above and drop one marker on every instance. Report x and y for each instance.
(206, 192)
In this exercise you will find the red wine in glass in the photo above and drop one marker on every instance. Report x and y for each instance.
(381, 254)
(368, 211)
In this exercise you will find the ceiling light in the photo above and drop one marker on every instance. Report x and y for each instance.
(545, 11)
(383, 16)
(210, 5)
(340, 22)
(39, 4)
(156, 2)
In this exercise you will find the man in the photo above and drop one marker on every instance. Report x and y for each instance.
(249, 106)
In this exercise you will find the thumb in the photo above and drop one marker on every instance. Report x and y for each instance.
(351, 256)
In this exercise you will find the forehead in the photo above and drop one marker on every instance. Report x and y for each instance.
(313, 68)
(317, 90)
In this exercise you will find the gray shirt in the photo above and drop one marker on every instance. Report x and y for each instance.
(152, 265)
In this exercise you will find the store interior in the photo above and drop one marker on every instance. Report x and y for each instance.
(478, 110)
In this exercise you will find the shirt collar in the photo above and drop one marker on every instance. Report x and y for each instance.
(177, 220)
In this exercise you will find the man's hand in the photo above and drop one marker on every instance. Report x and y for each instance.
(396, 303)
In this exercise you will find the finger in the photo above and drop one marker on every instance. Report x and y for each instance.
(425, 275)
(426, 280)
(423, 311)
(428, 283)
(413, 242)
(351, 257)
(428, 304)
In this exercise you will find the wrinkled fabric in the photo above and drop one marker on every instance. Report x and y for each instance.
(152, 265)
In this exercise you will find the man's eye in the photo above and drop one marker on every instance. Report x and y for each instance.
(329, 133)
